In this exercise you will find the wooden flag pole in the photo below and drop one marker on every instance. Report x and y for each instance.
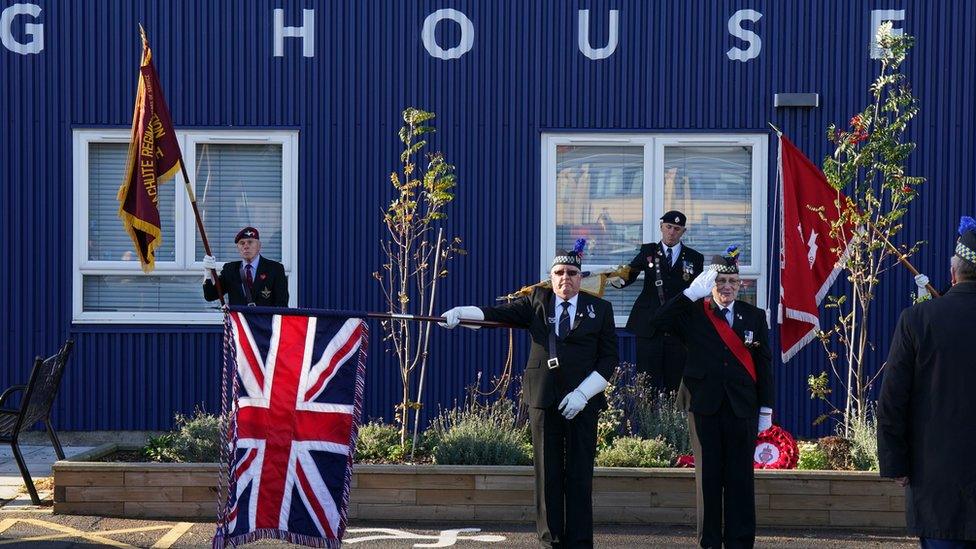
(203, 232)
(423, 318)
(903, 260)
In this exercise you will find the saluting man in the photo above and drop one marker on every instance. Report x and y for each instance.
(574, 353)
(728, 392)
(669, 267)
(255, 280)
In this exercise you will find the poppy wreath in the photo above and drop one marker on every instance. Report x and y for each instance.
(775, 449)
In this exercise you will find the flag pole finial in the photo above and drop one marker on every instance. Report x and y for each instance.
(775, 129)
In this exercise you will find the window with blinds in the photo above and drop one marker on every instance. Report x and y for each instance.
(712, 185)
(239, 186)
(236, 185)
(600, 197)
(107, 241)
(612, 188)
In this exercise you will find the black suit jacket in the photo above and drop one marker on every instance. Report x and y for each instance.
(591, 345)
(926, 411)
(270, 284)
(712, 371)
(688, 265)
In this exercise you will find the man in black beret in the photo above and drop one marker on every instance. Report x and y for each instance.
(574, 353)
(727, 390)
(255, 280)
(669, 267)
(926, 410)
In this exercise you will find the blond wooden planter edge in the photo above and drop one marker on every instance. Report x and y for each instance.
(784, 498)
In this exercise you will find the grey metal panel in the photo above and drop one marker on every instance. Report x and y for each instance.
(524, 76)
(781, 100)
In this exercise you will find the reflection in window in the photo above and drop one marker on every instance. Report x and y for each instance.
(599, 197)
(712, 185)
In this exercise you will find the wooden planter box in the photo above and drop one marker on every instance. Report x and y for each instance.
(471, 494)
(118, 489)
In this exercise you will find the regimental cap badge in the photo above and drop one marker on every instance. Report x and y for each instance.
(247, 232)
(675, 218)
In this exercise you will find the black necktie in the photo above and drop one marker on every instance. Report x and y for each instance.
(727, 315)
(670, 258)
(564, 320)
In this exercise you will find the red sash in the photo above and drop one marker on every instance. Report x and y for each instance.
(731, 339)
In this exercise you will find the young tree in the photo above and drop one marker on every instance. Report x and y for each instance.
(416, 255)
(868, 165)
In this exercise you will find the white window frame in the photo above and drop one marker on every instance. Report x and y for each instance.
(653, 197)
(185, 229)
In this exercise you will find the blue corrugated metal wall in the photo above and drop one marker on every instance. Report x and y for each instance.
(524, 76)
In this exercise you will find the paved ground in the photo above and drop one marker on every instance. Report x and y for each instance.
(24, 525)
(39, 459)
(38, 529)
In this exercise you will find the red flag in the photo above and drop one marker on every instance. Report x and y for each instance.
(809, 258)
(154, 156)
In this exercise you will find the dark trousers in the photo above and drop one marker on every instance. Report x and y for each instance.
(724, 446)
(564, 452)
(662, 357)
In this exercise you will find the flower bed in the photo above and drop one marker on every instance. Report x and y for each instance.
(470, 494)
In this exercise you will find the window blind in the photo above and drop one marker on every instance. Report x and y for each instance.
(712, 185)
(239, 186)
(107, 239)
(599, 197)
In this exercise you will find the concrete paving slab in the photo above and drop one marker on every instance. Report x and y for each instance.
(39, 460)
(22, 502)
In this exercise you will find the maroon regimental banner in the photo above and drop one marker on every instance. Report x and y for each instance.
(154, 156)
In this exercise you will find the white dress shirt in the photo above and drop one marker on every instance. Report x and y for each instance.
(730, 318)
(675, 250)
(558, 310)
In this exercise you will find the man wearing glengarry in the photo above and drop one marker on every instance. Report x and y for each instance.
(574, 353)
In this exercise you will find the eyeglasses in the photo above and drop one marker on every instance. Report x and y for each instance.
(727, 281)
(563, 272)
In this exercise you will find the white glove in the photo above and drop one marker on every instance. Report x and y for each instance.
(765, 418)
(209, 263)
(453, 317)
(702, 285)
(575, 401)
(921, 281)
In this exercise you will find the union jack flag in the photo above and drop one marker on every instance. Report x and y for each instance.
(298, 382)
